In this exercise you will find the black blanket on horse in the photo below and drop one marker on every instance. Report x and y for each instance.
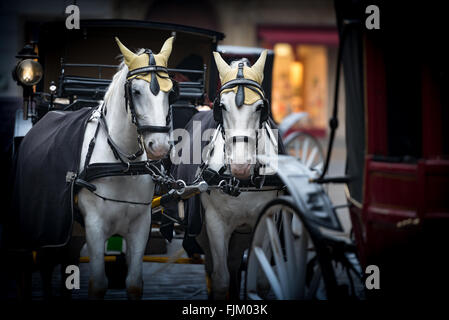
(187, 172)
(42, 210)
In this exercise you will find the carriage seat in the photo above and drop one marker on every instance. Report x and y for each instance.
(82, 87)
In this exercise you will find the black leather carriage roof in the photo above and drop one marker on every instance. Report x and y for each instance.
(123, 23)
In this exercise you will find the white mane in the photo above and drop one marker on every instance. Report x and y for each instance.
(118, 80)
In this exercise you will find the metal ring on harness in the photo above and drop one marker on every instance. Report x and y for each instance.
(183, 188)
(258, 180)
(127, 168)
(221, 184)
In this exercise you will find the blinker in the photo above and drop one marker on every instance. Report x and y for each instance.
(154, 84)
(240, 96)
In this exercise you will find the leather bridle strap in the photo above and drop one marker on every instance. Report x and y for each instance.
(142, 128)
(148, 69)
(241, 83)
(154, 88)
(115, 148)
(250, 84)
(162, 129)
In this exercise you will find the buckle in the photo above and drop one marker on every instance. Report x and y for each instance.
(127, 169)
(231, 188)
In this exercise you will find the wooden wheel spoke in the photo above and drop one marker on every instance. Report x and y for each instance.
(297, 147)
(269, 272)
(305, 150)
(254, 296)
(281, 268)
(290, 252)
(311, 157)
(282, 253)
(301, 266)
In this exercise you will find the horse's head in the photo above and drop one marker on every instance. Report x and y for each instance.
(241, 109)
(148, 89)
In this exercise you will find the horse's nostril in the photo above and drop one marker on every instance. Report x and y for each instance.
(150, 144)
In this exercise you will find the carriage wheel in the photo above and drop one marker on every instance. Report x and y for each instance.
(282, 261)
(306, 148)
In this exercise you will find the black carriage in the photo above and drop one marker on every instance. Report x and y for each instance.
(67, 70)
(76, 66)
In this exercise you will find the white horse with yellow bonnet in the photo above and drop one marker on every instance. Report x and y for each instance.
(242, 113)
(134, 116)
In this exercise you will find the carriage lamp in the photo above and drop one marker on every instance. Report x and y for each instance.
(29, 72)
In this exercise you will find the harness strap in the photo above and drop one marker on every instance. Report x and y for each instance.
(213, 178)
(121, 201)
(148, 69)
(163, 129)
(130, 103)
(243, 82)
(92, 144)
(119, 154)
(100, 170)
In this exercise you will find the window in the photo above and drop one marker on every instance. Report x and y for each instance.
(300, 83)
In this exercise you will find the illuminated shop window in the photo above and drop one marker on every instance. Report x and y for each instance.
(300, 83)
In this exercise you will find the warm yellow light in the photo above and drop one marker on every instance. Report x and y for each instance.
(27, 75)
(296, 73)
(29, 72)
(282, 49)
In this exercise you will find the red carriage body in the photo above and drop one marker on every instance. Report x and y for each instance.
(397, 144)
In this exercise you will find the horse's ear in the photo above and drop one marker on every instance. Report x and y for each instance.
(166, 49)
(128, 55)
(222, 66)
(260, 65)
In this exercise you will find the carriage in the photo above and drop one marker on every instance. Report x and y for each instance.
(80, 80)
(292, 254)
(64, 77)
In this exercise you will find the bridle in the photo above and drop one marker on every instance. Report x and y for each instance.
(125, 166)
(241, 83)
(231, 185)
(129, 103)
(155, 72)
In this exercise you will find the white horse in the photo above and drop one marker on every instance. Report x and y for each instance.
(225, 214)
(104, 218)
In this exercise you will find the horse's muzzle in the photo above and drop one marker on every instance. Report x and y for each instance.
(156, 151)
(241, 171)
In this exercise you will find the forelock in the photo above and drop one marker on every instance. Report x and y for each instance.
(235, 63)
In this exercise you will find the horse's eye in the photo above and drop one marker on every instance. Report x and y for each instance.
(136, 92)
(223, 107)
(259, 107)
